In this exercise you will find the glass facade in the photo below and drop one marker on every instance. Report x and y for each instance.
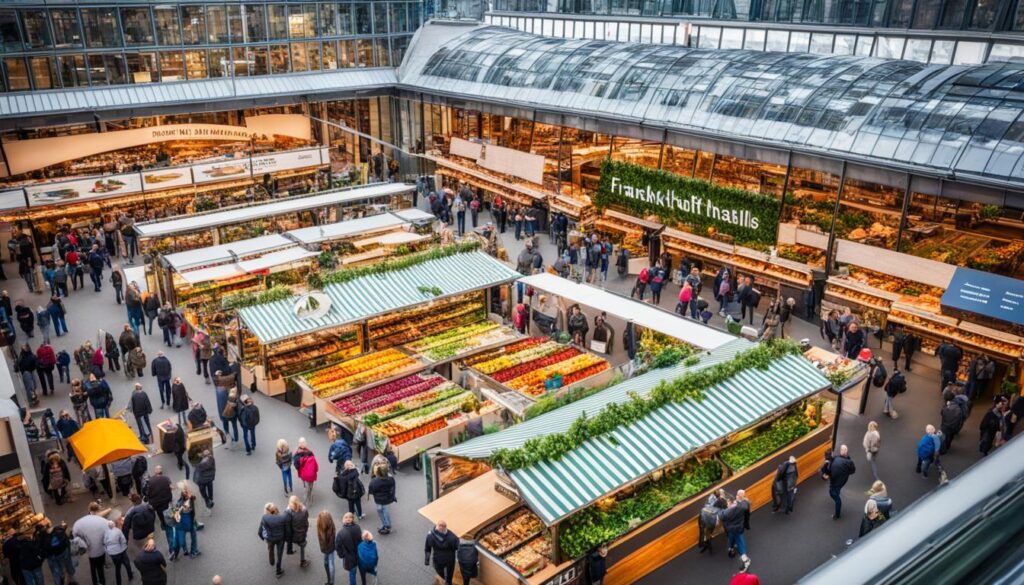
(76, 46)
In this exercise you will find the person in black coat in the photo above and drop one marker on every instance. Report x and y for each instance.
(179, 400)
(151, 565)
(161, 369)
(382, 488)
(141, 407)
(736, 519)
(206, 472)
(174, 442)
(469, 560)
(346, 544)
(854, 341)
(903, 343)
(597, 565)
(784, 486)
(838, 472)
(140, 521)
(352, 488)
(158, 493)
(992, 424)
(25, 317)
(896, 385)
(443, 545)
(949, 359)
(274, 531)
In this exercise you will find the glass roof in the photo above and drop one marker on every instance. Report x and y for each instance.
(964, 118)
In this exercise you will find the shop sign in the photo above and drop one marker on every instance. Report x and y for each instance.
(751, 218)
(65, 192)
(165, 178)
(221, 171)
(312, 306)
(571, 576)
(982, 293)
(272, 163)
(509, 161)
(507, 491)
(12, 199)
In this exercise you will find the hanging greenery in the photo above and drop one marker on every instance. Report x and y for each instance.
(551, 402)
(751, 218)
(430, 290)
(249, 299)
(690, 385)
(391, 265)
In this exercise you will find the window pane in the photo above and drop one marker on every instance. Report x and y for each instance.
(107, 69)
(380, 18)
(799, 41)
(277, 21)
(10, 32)
(101, 28)
(889, 47)
(216, 25)
(240, 61)
(72, 71)
(329, 55)
(168, 28)
(381, 49)
(260, 61)
(236, 30)
(302, 21)
(821, 43)
(37, 30)
(864, 45)
(398, 48)
(732, 38)
(172, 66)
(299, 57)
(328, 19)
(142, 67)
(364, 24)
(313, 55)
(279, 58)
(1005, 52)
(346, 54)
(17, 74)
(138, 28)
(778, 40)
(67, 32)
(44, 72)
(193, 22)
(195, 64)
(844, 44)
(918, 50)
(754, 40)
(969, 53)
(255, 23)
(345, 19)
(220, 63)
(365, 49)
(942, 52)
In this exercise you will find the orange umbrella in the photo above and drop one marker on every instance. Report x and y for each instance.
(104, 440)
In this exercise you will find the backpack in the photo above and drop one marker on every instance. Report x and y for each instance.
(685, 295)
(337, 488)
(880, 376)
(645, 275)
(658, 279)
(475, 205)
(354, 490)
(755, 298)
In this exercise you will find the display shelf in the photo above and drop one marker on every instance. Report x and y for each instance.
(513, 531)
(456, 342)
(312, 351)
(424, 420)
(408, 326)
(859, 294)
(356, 374)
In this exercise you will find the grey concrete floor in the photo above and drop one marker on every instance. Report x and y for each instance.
(783, 548)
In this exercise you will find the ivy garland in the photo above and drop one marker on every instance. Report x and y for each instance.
(400, 263)
(249, 299)
(690, 385)
(764, 208)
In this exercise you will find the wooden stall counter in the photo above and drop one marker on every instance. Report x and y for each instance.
(488, 506)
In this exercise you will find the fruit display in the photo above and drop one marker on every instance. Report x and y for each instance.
(441, 392)
(911, 292)
(508, 350)
(531, 557)
(445, 345)
(333, 380)
(428, 319)
(385, 394)
(532, 383)
(846, 291)
(515, 530)
(398, 429)
(310, 352)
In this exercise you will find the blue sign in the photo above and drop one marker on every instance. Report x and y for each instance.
(991, 295)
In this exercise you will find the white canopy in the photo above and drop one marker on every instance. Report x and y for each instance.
(274, 259)
(272, 209)
(643, 314)
(225, 252)
(414, 215)
(214, 273)
(343, 229)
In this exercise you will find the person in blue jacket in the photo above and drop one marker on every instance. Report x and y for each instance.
(367, 555)
(340, 451)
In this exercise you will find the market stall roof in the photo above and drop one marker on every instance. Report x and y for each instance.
(488, 506)
(251, 212)
(414, 215)
(225, 252)
(375, 294)
(607, 463)
(343, 229)
(136, 274)
(642, 314)
(211, 274)
(278, 258)
(104, 440)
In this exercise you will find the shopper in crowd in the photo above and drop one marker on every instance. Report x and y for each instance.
(80, 402)
(352, 489)
(993, 425)
(179, 399)
(30, 555)
(872, 518)
(127, 341)
(784, 486)
(307, 468)
(133, 305)
(298, 527)
(26, 366)
(141, 408)
(832, 329)
(903, 344)
(928, 451)
(346, 544)
(786, 312)
(151, 308)
(442, 545)
(274, 531)
(854, 341)
(979, 374)
(66, 427)
(185, 522)
(872, 445)
(577, 326)
(43, 322)
(55, 477)
(46, 360)
(340, 450)
(283, 457)
(60, 279)
(174, 443)
(367, 555)
(205, 473)
(116, 545)
(64, 366)
(952, 420)
(92, 528)
(159, 495)
(139, 522)
(736, 519)
(325, 533)
(135, 363)
(166, 321)
(100, 396)
(838, 472)
(880, 494)
(151, 565)
(117, 281)
(949, 362)
(382, 488)
(248, 418)
(202, 351)
(228, 404)
(56, 549)
(161, 369)
(96, 262)
(57, 313)
(112, 353)
(750, 298)
(896, 385)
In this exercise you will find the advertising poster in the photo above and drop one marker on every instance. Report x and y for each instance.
(164, 178)
(272, 163)
(12, 199)
(221, 171)
(83, 189)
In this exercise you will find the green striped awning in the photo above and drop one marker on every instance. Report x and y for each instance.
(371, 295)
(605, 464)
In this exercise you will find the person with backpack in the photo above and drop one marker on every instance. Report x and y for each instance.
(784, 486)
(139, 522)
(56, 548)
(96, 262)
(100, 396)
(685, 296)
(441, 544)
(366, 552)
(57, 313)
(468, 559)
(640, 286)
(350, 488)
(307, 467)
(928, 451)
(174, 443)
(952, 420)
(64, 366)
(228, 404)
(248, 418)
(55, 476)
(949, 356)
(657, 282)
(274, 531)
(382, 488)
(46, 360)
(340, 450)
(896, 385)
(161, 369)
(205, 473)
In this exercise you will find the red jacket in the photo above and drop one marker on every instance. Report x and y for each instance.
(45, 356)
(97, 358)
(308, 467)
(745, 579)
(71, 257)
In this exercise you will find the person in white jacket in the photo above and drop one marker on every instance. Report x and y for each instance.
(116, 545)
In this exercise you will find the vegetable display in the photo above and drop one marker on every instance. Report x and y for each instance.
(603, 523)
(445, 345)
(349, 374)
(398, 427)
(386, 394)
(780, 433)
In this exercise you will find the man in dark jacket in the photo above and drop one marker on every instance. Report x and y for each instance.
(784, 486)
(205, 473)
(952, 421)
(248, 417)
(469, 560)
(141, 407)
(274, 530)
(346, 544)
(96, 264)
(158, 494)
(854, 341)
(151, 565)
(905, 343)
(840, 468)
(735, 519)
(896, 385)
(128, 340)
(340, 450)
(161, 368)
(949, 362)
(139, 522)
(382, 488)
(443, 545)
(597, 565)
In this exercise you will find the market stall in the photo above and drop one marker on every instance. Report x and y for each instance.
(640, 486)
(627, 231)
(419, 313)
(248, 221)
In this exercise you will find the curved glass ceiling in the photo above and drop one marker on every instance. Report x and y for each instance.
(946, 117)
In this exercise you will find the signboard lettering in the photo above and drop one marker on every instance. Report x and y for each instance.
(989, 295)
